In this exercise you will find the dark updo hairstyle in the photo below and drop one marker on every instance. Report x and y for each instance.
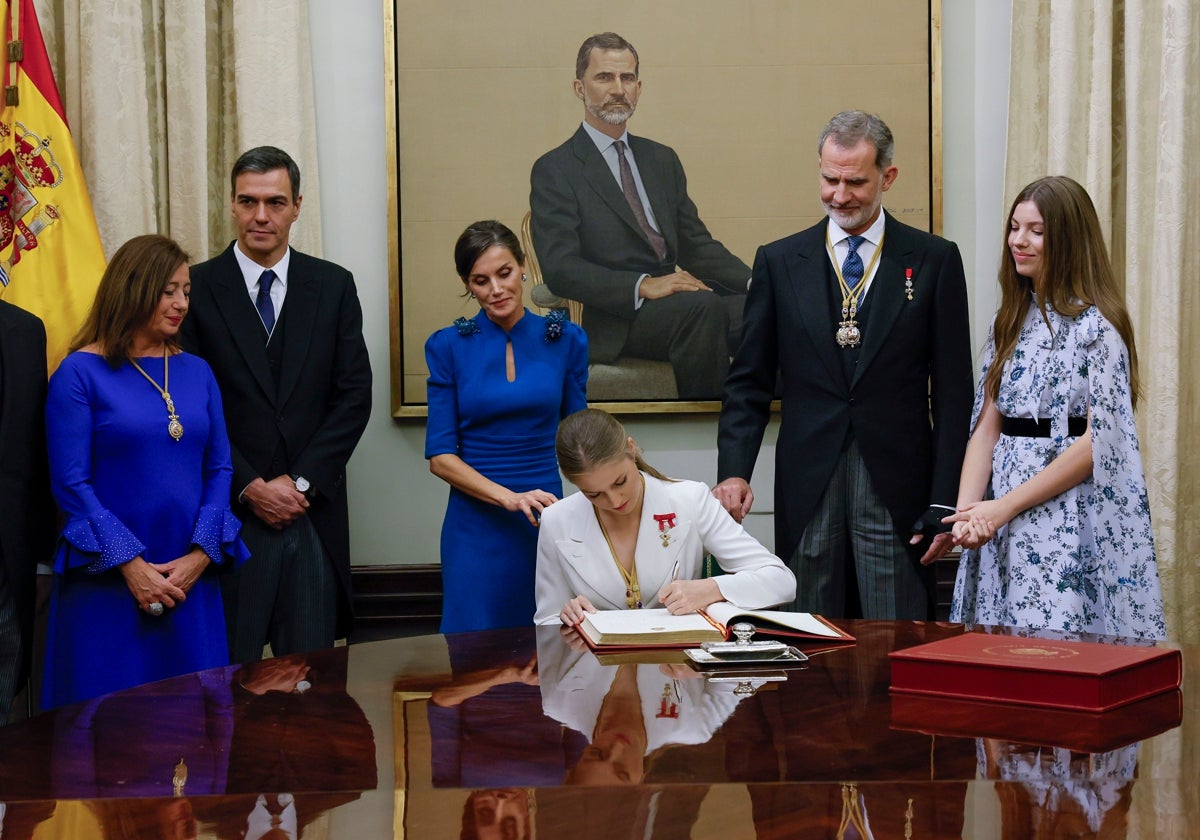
(477, 238)
(128, 295)
(591, 437)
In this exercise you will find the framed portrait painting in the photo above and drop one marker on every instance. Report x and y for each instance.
(739, 89)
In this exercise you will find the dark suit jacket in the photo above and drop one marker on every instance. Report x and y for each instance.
(908, 405)
(324, 395)
(27, 521)
(590, 247)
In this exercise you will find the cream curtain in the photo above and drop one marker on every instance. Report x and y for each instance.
(162, 96)
(1105, 91)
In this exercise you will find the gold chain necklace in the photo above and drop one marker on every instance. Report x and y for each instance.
(633, 592)
(174, 427)
(848, 333)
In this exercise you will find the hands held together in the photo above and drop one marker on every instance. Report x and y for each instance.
(276, 502)
(164, 584)
(976, 523)
(972, 525)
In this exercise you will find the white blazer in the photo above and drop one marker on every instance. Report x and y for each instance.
(573, 557)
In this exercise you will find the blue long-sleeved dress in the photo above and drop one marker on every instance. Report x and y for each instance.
(127, 489)
(504, 430)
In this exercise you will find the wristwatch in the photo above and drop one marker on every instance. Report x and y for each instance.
(303, 486)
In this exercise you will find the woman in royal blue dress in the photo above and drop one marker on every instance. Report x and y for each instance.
(498, 385)
(140, 465)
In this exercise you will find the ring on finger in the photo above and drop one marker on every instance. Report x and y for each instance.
(155, 608)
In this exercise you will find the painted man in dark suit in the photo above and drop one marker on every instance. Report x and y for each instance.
(614, 228)
(864, 320)
(26, 509)
(283, 334)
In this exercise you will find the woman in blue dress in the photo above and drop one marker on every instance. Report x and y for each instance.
(498, 385)
(140, 465)
(1052, 501)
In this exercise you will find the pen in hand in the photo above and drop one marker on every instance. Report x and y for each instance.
(671, 578)
(674, 576)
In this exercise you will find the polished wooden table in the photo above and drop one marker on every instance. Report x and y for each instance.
(519, 734)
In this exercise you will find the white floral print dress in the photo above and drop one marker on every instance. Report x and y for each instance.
(1084, 560)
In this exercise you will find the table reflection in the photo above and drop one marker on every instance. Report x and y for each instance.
(1051, 792)
(486, 724)
(630, 714)
(525, 734)
(167, 760)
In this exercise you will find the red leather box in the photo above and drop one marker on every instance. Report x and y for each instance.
(1086, 732)
(1084, 676)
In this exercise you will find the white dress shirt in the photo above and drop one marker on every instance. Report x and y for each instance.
(252, 271)
(872, 237)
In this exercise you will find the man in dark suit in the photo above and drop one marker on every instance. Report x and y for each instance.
(864, 320)
(27, 521)
(614, 228)
(283, 334)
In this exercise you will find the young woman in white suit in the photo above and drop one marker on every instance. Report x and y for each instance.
(631, 538)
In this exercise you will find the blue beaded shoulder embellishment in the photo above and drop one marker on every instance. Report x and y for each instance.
(554, 324)
(465, 326)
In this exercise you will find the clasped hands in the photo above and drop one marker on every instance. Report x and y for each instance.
(680, 597)
(163, 583)
(976, 523)
(972, 525)
(276, 502)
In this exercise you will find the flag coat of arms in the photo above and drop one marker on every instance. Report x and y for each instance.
(51, 258)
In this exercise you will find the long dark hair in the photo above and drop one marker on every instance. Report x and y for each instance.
(592, 437)
(1075, 273)
(128, 295)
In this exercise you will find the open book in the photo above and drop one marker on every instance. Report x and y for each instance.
(658, 628)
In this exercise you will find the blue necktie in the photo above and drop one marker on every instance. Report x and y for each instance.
(852, 268)
(266, 309)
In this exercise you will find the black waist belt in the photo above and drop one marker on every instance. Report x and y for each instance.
(1028, 427)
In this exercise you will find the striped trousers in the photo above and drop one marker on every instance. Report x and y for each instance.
(852, 535)
(285, 594)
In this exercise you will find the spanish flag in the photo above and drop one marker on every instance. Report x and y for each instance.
(51, 258)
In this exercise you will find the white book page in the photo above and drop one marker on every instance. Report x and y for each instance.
(728, 614)
(646, 621)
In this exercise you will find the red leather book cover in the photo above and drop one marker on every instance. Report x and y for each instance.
(1085, 676)
(1087, 732)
